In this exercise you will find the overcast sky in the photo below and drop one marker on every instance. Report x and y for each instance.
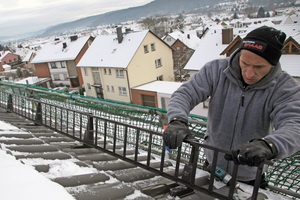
(22, 16)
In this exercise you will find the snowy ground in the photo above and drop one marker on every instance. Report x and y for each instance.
(21, 181)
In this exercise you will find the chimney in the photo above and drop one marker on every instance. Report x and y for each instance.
(74, 38)
(119, 34)
(64, 45)
(227, 35)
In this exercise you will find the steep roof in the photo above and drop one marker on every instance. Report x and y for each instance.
(189, 38)
(54, 51)
(106, 51)
(210, 47)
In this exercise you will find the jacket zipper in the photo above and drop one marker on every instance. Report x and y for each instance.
(242, 104)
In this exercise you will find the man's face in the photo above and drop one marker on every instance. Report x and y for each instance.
(253, 67)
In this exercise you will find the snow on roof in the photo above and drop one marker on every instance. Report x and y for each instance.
(28, 56)
(105, 51)
(32, 80)
(4, 54)
(210, 47)
(189, 38)
(6, 66)
(54, 51)
(20, 181)
(290, 64)
(165, 87)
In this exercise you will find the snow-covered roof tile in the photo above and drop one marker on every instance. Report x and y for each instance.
(28, 56)
(54, 51)
(290, 64)
(189, 38)
(105, 51)
(209, 48)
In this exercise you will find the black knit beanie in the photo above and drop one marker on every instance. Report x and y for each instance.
(266, 42)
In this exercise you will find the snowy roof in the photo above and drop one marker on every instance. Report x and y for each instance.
(28, 56)
(210, 47)
(6, 66)
(4, 54)
(290, 64)
(165, 87)
(189, 38)
(54, 51)
(105, 51)
(32, 80)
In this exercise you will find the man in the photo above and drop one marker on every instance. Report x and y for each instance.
(254, 108)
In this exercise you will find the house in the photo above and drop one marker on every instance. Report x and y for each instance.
(118, 62)
(58, 60)
(215, 40)
(181, 55)
(27, 60)
(158, 94)
(8, 58)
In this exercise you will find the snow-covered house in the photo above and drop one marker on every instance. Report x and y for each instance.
(215, 40)
(58, 60)
(158, 94)
(27, 60)
(118, 62)
(8, 58)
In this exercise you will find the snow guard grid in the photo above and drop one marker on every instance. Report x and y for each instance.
(284, 173)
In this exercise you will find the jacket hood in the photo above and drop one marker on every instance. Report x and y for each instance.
(235, 70)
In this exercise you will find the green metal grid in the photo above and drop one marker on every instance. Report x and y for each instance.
(284, 173)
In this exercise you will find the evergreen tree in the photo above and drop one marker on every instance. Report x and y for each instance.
(261, 13)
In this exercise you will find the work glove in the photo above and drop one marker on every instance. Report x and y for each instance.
(176, 132)
(253, 153)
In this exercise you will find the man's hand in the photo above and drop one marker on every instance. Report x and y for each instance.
(253, 153)
(176, 132)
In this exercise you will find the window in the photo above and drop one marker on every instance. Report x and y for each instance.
(109, 71)
(107, 88)
(122, 91)
(56, 77)
(120, 73)
(65, 77)
(146, 49)
(112, 89)
(152, 47)
(148, 100)
(169, 39)
(15, 59)
(105, 72)
(178, 48)
(63, 64)
(159, 78)
(158, 63)
(53, 65)
(85, 71)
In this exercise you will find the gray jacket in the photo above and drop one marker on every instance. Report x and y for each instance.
(237, 114)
